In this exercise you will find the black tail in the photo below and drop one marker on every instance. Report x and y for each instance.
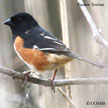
(73, 55)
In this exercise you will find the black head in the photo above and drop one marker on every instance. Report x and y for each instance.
(20, 22)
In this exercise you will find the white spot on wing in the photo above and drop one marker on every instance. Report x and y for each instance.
(47, 49)
(35, 47)
(58, 43)
(27, 32)
(47, 37)
(42, 34)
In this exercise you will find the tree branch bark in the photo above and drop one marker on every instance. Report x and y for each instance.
(96, 34)
(69, 100)
(61, 82)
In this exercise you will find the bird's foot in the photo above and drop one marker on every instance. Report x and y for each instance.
(52, 84)
(26, 74)
(52, 81)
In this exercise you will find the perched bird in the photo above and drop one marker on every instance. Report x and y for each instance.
(37, 48)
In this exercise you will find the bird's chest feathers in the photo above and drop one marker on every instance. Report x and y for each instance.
(33, 58)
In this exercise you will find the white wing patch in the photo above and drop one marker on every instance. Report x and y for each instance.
(47, 37)
(57, 43)
(47, 49)
(42, 34)
(27, 32)
(35, 47)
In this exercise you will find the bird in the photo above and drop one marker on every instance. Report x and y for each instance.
(37, 48)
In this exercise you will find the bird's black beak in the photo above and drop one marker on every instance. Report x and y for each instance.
(8, 22)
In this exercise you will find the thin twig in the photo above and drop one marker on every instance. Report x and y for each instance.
(67, 98)
(96, 34)
(62, 82)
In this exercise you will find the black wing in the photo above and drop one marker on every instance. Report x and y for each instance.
(38, 38)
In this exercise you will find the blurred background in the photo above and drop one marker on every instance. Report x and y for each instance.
(47, 13)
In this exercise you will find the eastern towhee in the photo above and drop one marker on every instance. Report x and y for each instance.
(37, 48)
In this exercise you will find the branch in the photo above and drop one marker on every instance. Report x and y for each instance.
(67, 98)
(62, 82)
(96, 34)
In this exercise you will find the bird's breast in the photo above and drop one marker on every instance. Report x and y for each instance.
(33, 58)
